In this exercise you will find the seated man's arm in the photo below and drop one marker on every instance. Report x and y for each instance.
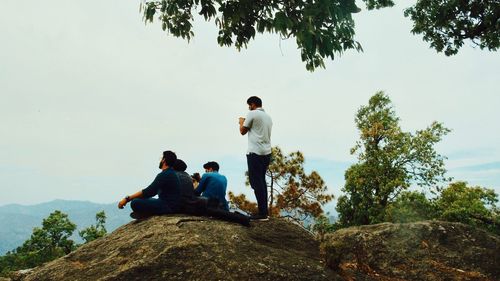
(147, 192)
(129, 198)
(153, 188)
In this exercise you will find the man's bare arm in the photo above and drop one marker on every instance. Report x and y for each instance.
(243, 129)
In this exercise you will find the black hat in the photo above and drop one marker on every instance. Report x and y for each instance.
(180, 165)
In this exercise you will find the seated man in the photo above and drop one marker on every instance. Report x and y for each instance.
(186, 183)
(166, 185)
(213, 185)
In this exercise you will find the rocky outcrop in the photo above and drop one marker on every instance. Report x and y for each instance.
(429, 250)
(193, 248)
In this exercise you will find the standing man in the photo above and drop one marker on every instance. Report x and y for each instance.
(258, 125)
(166, 185)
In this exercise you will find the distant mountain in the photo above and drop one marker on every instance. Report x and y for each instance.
(18, 221)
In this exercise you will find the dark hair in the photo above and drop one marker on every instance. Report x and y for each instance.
(169, 158)
(255, 100)
(196, 177)
(212, 164)
(180, 165)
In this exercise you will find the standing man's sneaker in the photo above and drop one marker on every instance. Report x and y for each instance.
(259, 218)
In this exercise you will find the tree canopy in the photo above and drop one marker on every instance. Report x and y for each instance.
(389, 161)
(410, 206)
(472, 205)
(446, 24)
(49, 242)
(325, 28)
(458, 202)
(95, 231)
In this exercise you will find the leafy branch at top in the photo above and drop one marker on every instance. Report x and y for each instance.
(322, 28)
(325, 28)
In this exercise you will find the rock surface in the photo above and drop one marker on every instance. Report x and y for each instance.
(429, 250)
(193, 248)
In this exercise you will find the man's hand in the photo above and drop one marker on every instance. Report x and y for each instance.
(243, 129)
(127, 199)
(122, 203)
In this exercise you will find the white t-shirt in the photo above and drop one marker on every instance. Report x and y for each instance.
(259, 126)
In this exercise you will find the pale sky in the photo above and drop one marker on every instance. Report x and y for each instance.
(90, 96)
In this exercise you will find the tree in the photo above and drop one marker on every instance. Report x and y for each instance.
(389, 161)
(52, 240)
(321, 226)
(325, 28)
(243, 203)
(45, 244)
(95, 231)
(410, 206)
(8, 263)
(322, 29)
(475, 206)
(292, 192)
(472, 205)
(447, 23)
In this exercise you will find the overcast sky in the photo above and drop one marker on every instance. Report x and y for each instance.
(90, 96)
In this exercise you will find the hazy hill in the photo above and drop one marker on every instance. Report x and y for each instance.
(18, 220)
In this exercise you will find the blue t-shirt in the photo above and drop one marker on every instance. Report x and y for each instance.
(213, 185)
(167, 186)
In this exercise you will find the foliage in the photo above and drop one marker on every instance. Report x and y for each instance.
(322, 225)
(410, 206)
(52, 240)
(95, 231)
(325, 28)
(447, 23)
(9, 262)
(321, 28)
(389, 161)
(292, 192)
(45, 244)
(472, 205)
(241, 202)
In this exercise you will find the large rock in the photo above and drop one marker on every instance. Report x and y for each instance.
(193, 248)
(429, 250)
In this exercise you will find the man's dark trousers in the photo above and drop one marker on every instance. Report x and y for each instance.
(257, 167)
(150, 206)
